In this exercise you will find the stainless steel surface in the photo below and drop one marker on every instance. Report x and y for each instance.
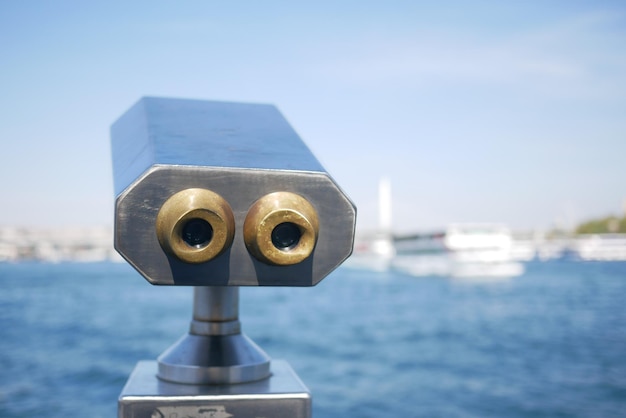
(180, 161)
(167, 131)
(215, 351)
(215, 360)
(137, 209)
(216, 304)
(280, 395)
(241, 152)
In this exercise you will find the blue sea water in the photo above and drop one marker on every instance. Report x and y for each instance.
(551, 343)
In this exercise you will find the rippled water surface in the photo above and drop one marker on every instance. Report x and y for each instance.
(551, 343)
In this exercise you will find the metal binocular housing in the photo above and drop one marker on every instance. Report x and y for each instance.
(224, 194)
(219, 195)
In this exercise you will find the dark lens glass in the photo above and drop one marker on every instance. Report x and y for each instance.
(286, 236)
(197, 233)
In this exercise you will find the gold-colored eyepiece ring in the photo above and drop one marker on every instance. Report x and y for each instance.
(272, 211)
(200, 205)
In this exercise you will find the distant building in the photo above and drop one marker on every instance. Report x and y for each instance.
(57, 244)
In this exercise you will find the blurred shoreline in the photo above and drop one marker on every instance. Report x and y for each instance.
(55, 245)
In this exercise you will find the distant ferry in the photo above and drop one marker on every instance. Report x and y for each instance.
(600, 247)
(461, 250)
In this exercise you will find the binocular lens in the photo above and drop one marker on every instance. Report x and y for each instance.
(286, 236)
(195, 225)
(197, 233)
(281, 229)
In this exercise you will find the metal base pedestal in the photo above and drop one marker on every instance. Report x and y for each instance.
(280, 395)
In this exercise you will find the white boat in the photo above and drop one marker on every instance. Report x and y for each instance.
(600, 247)
(461, 250)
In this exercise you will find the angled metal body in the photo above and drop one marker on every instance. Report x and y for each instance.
(241, 152)
(219, 195)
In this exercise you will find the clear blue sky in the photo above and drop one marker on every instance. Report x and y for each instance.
(477, 111)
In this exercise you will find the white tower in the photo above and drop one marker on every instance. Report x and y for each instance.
(384, 206)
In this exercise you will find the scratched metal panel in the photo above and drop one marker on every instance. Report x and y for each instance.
(205, 133)
(240, 151)
(138, 207)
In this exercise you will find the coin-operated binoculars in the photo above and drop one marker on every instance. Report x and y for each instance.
(220, 195)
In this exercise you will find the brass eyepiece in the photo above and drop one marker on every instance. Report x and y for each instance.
(195, 225)
(281, 228)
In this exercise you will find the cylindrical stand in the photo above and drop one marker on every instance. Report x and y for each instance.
(215, 351)
(214, 370)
